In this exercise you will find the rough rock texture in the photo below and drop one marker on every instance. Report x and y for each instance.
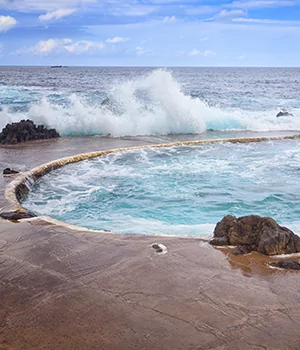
(25, 130)
(106, 102)
(255, 233)
(284, 114)
(8, 171)
(16, 215)
(286, 264)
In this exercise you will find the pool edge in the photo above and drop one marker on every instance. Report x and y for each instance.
(20, 186)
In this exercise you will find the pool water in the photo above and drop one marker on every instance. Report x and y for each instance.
(182, 190)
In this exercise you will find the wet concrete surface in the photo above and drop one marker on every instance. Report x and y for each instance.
(68, 289)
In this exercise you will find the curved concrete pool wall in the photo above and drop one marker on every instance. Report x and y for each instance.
(20, 186)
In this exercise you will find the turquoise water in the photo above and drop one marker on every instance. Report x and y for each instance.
(178, 190)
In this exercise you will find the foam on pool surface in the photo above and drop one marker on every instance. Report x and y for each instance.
(178, 190)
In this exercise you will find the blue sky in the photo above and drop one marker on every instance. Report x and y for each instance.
(150, 32)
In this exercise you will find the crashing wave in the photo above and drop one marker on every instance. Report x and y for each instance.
(148, 105)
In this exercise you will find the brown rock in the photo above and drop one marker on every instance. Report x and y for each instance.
(220, 241)
(255, 233)
(242, 249)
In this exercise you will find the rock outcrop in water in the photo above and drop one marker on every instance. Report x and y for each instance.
(286, 264)
(8, 171)
(106, 102)
(284, 114)
(25, 130)
(112, 106)
(255, 233)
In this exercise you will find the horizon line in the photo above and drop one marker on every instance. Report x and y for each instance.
(137, 66)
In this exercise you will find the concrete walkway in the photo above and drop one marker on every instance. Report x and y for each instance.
(74, 289)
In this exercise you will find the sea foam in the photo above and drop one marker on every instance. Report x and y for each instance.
(146, 105)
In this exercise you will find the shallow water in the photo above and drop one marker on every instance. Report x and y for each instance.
(178, 190)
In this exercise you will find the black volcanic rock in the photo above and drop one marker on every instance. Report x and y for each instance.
(284, 114)
(8, 171)
(25, 130)
(255, 233)
(106, 102)
(286, 264)
(16, 215)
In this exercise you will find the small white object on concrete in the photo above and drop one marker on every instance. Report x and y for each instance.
(159, 248)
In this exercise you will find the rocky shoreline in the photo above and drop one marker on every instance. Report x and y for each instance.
(25, 130)
(254, 233)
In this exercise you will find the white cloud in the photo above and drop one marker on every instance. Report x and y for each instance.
(164, 2)
(44, 5)
(83, 46)
(179, 53)
(127, 9)
(6, 23)
(266, 21)
(196, 52)
(116, 39)
(122, 8)
(224, 14)
(260, 4)
(201, 10)
(46, 47)
(209, 53)
(140, 51)
(54, 15)
(242, 57)
(168, 19)
(141, 8)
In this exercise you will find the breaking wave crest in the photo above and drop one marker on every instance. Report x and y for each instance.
(148, 105)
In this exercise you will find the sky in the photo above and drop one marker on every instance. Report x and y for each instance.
(163, 33)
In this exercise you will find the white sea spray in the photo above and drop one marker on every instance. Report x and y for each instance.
(151, 104)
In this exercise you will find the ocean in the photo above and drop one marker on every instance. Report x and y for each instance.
(180, 191)
(151, 101)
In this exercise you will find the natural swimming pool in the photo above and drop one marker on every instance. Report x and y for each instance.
(182, 190)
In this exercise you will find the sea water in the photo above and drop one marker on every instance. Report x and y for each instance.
(150, 101)
(177, 190)
(174, 191)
